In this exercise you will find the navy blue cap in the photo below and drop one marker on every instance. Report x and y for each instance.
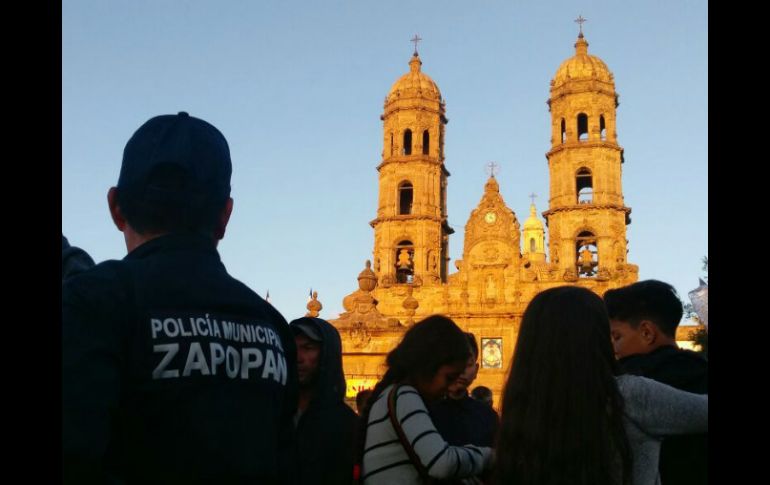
(180, 140)
(305, 326)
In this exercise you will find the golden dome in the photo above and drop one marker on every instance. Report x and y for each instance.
(582, 66)
(413, 84)
(532, 221)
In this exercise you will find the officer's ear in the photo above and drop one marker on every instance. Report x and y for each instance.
(115, 213)
(224, 218)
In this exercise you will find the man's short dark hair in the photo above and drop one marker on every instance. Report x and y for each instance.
(646, 300)
(175, 176)
(148, 215)
(482, 393)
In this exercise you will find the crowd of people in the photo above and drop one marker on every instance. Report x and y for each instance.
(175, 372)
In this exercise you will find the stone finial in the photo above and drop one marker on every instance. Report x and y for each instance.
(410, 304)
(415, 63)
(570, 275)
(314, 306)
(492, 185)
(367, 280)
(581, 46)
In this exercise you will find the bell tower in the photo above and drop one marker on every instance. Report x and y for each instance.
(533, 236)
(587, 216)
(411, 232)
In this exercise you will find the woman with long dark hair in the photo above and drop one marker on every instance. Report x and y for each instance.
(568, 417)
(398, 442)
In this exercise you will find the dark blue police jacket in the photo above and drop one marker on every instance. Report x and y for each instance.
(174, 372)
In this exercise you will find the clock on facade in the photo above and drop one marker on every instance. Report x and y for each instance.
(490, 217)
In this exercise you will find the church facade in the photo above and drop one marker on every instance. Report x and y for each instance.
(504, 263)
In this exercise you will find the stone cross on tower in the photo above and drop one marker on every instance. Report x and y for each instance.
(492, 169)
(415, 39)
(580, 20)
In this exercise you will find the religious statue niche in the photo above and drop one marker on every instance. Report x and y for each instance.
(405, 262)
(587, 254)
(433, 259)
(492, 353)
(490, 288)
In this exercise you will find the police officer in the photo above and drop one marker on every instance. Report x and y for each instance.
(173, 371)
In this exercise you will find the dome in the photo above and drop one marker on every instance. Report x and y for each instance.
(582, 66)
(532, 222)
(415, 83)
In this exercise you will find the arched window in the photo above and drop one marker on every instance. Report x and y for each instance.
(408, 142)
(584, 186)
(405, 198)
(391, 144)
(602, 128)
(532, 245)
(425, 142)
(405, 262)
(582, 127)
(587, 254)
(563, 130)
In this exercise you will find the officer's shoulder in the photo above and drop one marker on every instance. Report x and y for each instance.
(104, 279)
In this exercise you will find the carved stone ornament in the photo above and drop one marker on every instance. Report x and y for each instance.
(570, 275)
(388, 281)
(348, 303)
(491, 254)
(410, 304)
(603, 275)
(313, 306)
(367, 280)
(620, 272)
(359, 335)
(530, 275)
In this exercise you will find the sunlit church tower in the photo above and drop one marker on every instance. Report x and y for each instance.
(411, 233)
(586, 216)
(533, 236)
(503, 264)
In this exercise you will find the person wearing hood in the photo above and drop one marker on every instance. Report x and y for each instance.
(643, 321)
(73, 260)
(325, 425)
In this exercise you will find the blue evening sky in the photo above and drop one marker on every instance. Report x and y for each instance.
(297, 88)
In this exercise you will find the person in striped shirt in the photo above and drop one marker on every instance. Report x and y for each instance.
(398, 442)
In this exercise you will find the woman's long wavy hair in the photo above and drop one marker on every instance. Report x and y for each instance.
(431, 343)
(562, 411)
